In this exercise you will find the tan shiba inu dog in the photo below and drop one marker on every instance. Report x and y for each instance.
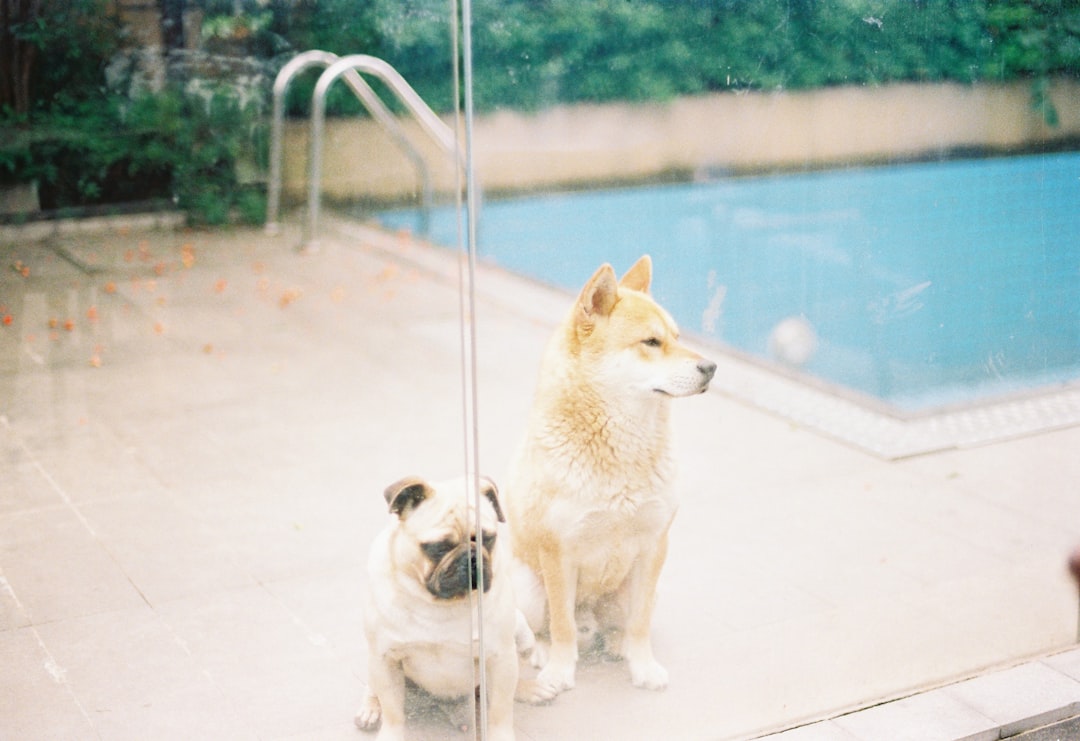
(589, 502)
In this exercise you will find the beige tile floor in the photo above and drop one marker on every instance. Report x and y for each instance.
(191, 471)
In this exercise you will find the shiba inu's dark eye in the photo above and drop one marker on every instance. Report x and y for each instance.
(437, 551)
(652, 342)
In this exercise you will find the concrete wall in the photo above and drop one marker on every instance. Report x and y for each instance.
(578, 145)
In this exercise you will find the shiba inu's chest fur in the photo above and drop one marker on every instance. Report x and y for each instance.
(608, 477)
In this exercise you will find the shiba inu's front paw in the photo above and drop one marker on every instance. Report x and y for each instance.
(557, 676)
(648, 674)
(534, 693)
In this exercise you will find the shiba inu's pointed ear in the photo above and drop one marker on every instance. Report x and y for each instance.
(639, 276)
(406, 495)
(599, 294)
(489, 490)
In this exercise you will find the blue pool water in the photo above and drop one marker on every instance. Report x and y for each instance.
(926, 285)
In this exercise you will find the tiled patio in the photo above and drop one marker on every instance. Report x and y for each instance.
(196, 428)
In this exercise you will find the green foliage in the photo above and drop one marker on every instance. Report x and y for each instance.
(87, 144)
(179, 144)
(338, 26)
(199, 136)
(567, 50)
(537, 54)
(69, 42)
(249, 27)
(1035, 40)
(529, 54)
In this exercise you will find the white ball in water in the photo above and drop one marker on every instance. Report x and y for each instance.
(793, 341)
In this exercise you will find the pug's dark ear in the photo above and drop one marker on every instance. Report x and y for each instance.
(489, 490)
(406, 495)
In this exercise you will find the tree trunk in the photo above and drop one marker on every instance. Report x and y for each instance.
(172, 24)
(17, 57)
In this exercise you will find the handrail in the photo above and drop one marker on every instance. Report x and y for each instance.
(431, 123)
(367, 96)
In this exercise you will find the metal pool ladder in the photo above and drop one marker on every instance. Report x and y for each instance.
(349, 68)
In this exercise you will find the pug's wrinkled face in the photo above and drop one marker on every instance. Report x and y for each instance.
(436, 541)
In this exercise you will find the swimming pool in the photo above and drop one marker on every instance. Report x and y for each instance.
(919, 285)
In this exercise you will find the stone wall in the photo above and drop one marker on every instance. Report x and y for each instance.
(574, 146)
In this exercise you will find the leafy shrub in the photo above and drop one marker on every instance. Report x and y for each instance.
(530, 54)
(199, 134)
(53, 52)
(177, 144)
(88, 139)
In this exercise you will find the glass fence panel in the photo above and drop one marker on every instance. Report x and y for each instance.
(555, 370)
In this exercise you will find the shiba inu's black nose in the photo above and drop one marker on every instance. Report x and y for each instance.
(707, 368)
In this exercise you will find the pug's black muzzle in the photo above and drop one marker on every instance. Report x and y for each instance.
(458, 573)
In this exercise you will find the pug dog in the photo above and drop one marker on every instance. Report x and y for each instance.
(422, 620)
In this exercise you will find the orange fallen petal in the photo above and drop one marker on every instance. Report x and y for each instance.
(8, 319)
(95, 361)
(53, 323)
(289, 296)
(220, 285)
(110, 287)
(92, 314)
(159, 328)
(69, 325)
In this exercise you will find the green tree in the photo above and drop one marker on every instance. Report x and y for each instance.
(54, 52)
(1035, 40)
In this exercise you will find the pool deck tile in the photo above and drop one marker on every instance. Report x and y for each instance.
(998, 704)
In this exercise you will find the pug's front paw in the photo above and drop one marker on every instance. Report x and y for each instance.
(539, 655)
(369, 716)
(534, 693)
